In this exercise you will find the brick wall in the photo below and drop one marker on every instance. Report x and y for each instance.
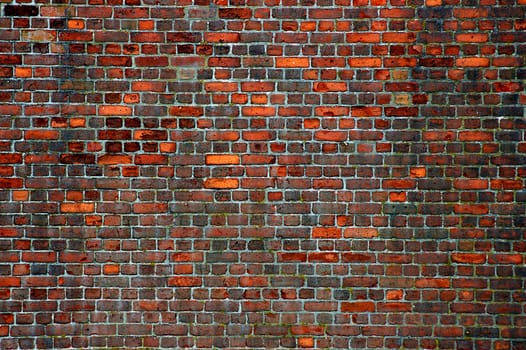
(263, 174)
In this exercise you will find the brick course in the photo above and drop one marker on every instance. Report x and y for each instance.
(337, 174)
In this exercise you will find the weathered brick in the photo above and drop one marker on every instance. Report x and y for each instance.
(262, 176)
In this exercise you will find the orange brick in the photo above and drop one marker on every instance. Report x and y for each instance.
(114, 159)
(397, 196)
(20, 195)
(432, 3)
(292, 62)
(217, 183)
(185, 281)
(363, 37)
(306, 342)
(77, 122)
(472, 37)
(325, 257)
(392, 37)
(221, 159)
(93, 220)
(472, 62)
(146, 25)
(131, 98)
(10, 281)
(168, 147)
(394, 294)
(115, 110)
(259, 111)
(259, 99)
(41, 135)
(77, 207)
(23, 72)
(365, 62)
(417, 172)
(111, 269)
(76, 24)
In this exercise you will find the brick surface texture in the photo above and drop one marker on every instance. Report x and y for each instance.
(262, 174)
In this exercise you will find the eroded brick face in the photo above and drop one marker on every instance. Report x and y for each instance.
(336, 174)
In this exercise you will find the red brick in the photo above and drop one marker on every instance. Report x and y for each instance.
(257, 86)
(154, 86)
(150, 159)
(11, 183)
(292, 257)
(10, 281)
(326, 232)
(145, 208)
(184, 281)
(323, 257)
(432, 283)
(399, 184)
(332, 111)
(468, 258)
(222, 159)
(394, 307)
(475, 209)
(515, 259)
(41, 135)
(507, 86)
(253, 281)
(326, 86)
(336, 136)
(358, 306)
(470, 184)
(10, 158)
(222, 37)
